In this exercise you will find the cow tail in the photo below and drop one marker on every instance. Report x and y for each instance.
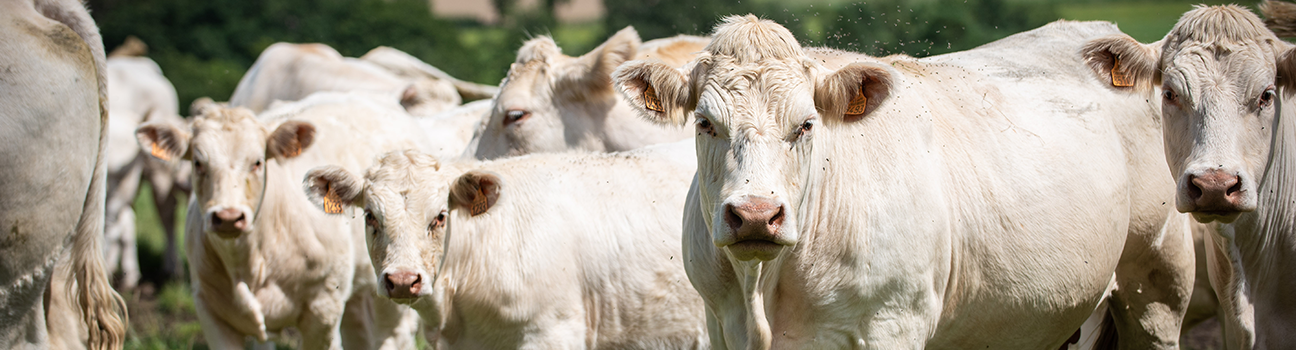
(1107, 336)
(102, 309)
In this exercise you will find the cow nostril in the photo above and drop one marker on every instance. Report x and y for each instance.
(776, 220)
(216, 220)
(735, 222)
(1194, 192)
(1236, 188)
(387, 282)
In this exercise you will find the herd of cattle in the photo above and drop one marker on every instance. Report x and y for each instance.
(737, 191)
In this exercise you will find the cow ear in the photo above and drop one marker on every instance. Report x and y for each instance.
(660, 93)
(1287, 70)
(163, 140)
(290, 139)
(332, 188)
(1122, 62)
(605, 58)
(476, 191)
(853, 91)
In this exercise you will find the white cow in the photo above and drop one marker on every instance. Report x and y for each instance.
(1224, 83)
(53, 108)
(410, 67)
(290, 72)
(551, 102)
(553, 251)
(990, 198)
(138, 92)
(262, 257)
(450, 133)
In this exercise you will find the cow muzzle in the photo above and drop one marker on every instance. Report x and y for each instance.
(402, 286)
(227, 222)
(1213, 194)
(755, 228)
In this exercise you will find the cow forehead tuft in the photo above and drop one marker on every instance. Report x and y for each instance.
(1225, 26)
(749, 39)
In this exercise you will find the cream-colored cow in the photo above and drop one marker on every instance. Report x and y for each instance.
(991, 198)
(410, 67)
(53, 108)
(548, 251)
(551, 102)
(262, 257)
(1224, 83)
(138, 92)
(290, 72)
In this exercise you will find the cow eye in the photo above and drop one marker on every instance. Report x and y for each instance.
(704, 126)
(198, 166)
(1169, 95)
(256, 165)
(514, 116)
(1267, 97)
(438, 222)
(370, 220)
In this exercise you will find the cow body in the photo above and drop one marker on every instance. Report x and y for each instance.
(53, 167)
(550, 102)
(1224, 84)
(570, 251)
(139, 93)
(263, 258)
(979, 199)
(290, 72)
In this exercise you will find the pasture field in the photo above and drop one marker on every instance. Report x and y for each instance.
(162, 314)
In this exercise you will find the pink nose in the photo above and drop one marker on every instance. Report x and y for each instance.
(229, 220)
(756, 218)
(1215, 191)
(402, 285)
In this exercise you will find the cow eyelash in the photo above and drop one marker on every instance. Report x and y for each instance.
(1169, 95)
(704, 126)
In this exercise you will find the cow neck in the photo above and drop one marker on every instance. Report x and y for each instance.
(1270, 231)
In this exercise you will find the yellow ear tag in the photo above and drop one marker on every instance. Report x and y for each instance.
(479, 203)
(332, 203)
(159, 152)
(858, 104)
(1119, 77)
(651, 102)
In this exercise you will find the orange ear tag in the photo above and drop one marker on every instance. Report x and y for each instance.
(479, 203)
(1119, 77)
(332, 203)
(858, 104)
(651, 102)
(159, 152)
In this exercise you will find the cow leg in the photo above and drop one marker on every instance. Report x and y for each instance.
(1204, 304)
(1154, 282)
(395, 325)
(322, 331)
(129, 252)
(357, 321)
(219, 335)
(166, 209)
(113, 245)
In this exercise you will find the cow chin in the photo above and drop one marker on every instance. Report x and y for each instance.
(755, 250)
(1206, 217)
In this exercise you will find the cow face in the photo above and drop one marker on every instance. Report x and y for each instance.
(761, 106)
(405, 212)
(1218, 70)
(229, 149)
(551, 102)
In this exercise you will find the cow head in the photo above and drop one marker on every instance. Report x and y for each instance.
(229, 149)
(761, 107)
(1219, 70)
(552, 102)
(405, 211)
